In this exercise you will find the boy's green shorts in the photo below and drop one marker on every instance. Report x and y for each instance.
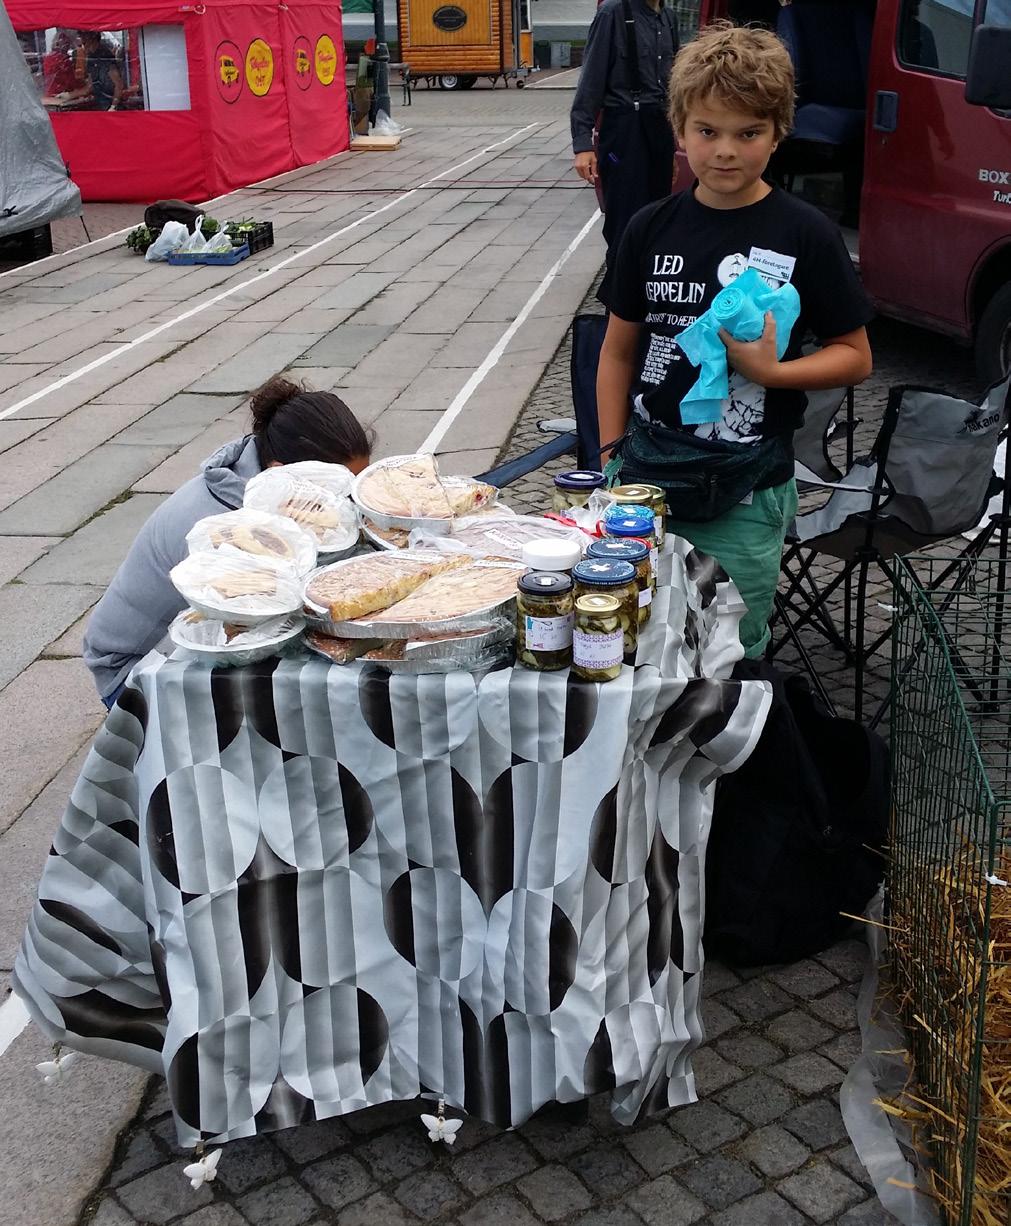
(748, 543)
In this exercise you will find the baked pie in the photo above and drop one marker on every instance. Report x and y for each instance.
(410, 486)
(397, 537)
(243, 583)
(364, 585)
(340, 651)
(467, 588)
(261, 541)
(315, 516)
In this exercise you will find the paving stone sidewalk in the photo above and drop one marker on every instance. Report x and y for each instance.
(764, 1146)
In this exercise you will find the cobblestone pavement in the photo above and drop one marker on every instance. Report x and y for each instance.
(764, 1146)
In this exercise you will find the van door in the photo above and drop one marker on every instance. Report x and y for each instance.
(927, 212)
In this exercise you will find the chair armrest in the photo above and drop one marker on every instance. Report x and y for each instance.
(505, 474)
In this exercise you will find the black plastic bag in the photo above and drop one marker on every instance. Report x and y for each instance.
(798, 832)
(157, 214)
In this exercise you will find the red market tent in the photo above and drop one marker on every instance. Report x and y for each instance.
(186, 100)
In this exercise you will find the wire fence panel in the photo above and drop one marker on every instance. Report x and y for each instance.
(951, 854)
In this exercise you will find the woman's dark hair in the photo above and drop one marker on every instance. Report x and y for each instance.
(292, 423)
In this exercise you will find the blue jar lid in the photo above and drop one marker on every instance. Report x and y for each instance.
(621, 551)
(628, 516)
(583, 480)
(600, 572)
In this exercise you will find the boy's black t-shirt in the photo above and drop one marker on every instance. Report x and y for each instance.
(675, 257)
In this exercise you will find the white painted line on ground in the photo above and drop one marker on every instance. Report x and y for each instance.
(441, 427)
(552, 81)
(267, 272)
(58, 255)
(13, 1019)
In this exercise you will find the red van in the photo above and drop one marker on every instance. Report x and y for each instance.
(883, 108)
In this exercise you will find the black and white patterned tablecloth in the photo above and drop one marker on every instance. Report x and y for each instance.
(298, 889)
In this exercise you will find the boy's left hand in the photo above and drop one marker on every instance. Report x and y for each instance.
(755, 360)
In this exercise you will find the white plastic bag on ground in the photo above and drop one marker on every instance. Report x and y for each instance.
(220, 244)
(195, 243)
(385, 126)
(172, 237)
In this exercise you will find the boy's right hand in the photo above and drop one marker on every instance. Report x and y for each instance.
(586, 166)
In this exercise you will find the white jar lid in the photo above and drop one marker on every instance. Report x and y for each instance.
(551, 554)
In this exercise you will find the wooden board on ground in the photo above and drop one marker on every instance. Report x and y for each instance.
(366, 143)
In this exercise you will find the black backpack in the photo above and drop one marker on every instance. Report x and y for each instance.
(157, 214)
(798, 832)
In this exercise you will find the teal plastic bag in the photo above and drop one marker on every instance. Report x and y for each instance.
(740, 308)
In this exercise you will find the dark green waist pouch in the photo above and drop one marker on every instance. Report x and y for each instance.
(702, 478)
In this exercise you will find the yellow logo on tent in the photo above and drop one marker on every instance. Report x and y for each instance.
(259, 67)
(326, 59)
(301, 61)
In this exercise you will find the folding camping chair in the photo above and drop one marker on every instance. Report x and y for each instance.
(577, 435)
(930, 477)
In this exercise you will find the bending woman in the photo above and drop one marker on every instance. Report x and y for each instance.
(290, 424)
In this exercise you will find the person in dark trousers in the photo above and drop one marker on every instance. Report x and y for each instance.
(626, 67)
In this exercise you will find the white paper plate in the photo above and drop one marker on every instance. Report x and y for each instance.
(199, 639)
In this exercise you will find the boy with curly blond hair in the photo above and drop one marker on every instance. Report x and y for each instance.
(731, 103)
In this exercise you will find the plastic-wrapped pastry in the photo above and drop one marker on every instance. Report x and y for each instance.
(258, 533)
(222, 644)
(340, 651)
(359, 586)
(409, 487)
(330, 518)
(495, 536)
(458, 593)
(237, 588)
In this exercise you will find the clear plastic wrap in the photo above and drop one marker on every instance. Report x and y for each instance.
(405, 491)
(220, 644)
(237, 588)
(339, 650)
(463, 598)
(334, 478)
(258, 533)
(330, 518)
(495, 536)
(384, 538)
(587, 518)
(364, 585)
(438, 652)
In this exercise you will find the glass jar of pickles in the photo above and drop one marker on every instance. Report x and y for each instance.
(634, 522)
(613, 578)
(657, 503)
(544, 610)
(637, 552)
(597, 638)
(573, 489)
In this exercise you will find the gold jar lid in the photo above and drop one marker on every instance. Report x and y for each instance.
(656, 494)
(598, 604)
(642, 494)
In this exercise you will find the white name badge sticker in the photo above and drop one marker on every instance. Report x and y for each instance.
(772, 264)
